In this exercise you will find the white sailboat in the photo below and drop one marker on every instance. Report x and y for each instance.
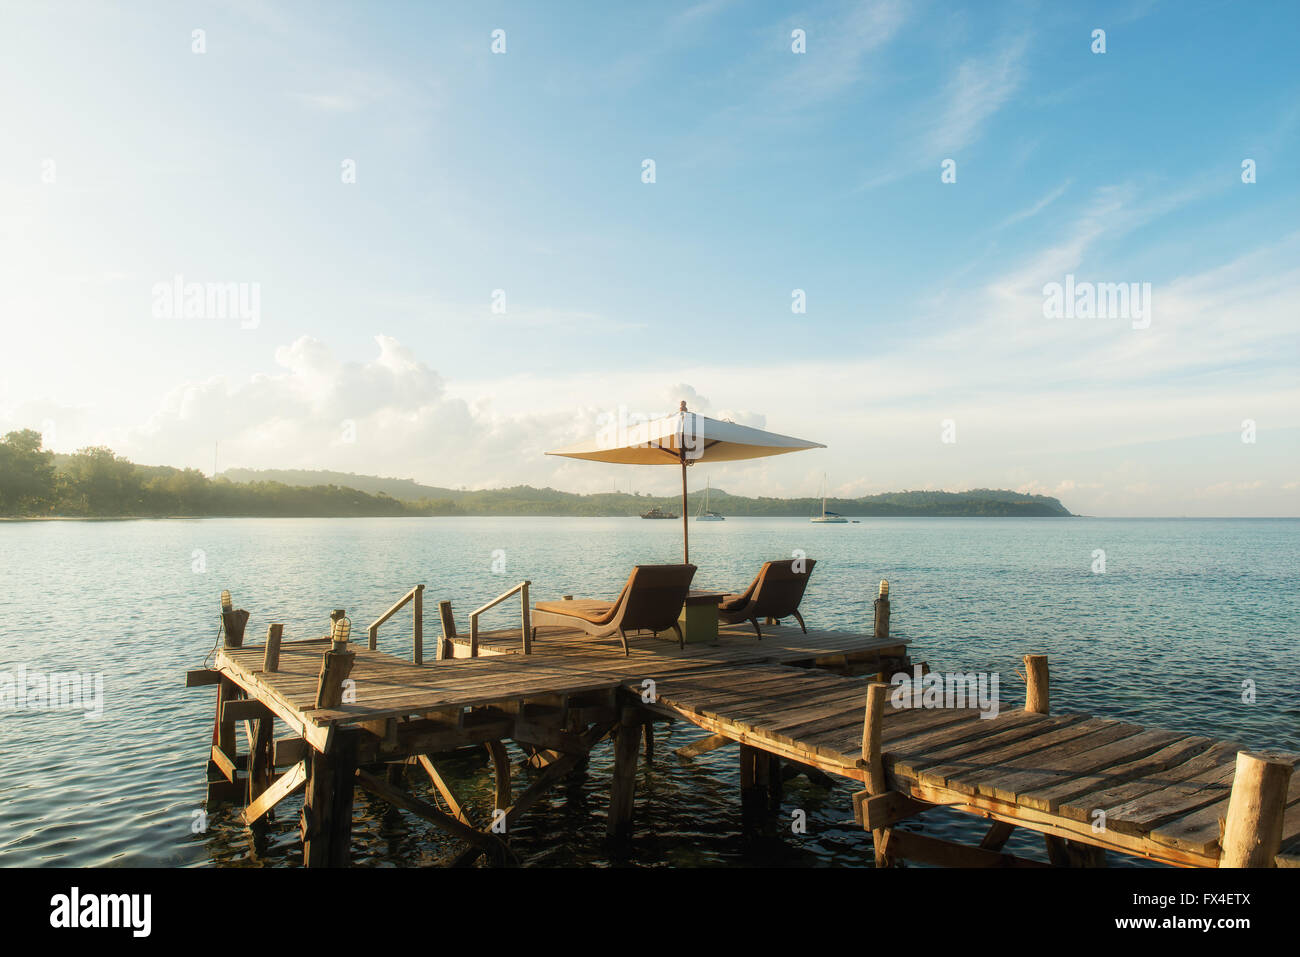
(827, 518)
(704, 514)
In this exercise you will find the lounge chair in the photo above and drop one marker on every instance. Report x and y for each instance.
(651, 600)
(774, 593)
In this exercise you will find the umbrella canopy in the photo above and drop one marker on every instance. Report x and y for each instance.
(682, 439)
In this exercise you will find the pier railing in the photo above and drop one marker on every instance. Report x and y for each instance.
(524, 618)
(416, 595)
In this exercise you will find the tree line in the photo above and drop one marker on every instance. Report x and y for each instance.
(96, 482)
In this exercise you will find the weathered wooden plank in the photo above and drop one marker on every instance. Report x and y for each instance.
(1177, 751)
(202, 678)
(288, 783)
(1140, 796)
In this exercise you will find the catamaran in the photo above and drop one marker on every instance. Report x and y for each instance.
(827, 518)
(704, 514)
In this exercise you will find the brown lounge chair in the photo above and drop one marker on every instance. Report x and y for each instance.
(775, 593)
(651, 600)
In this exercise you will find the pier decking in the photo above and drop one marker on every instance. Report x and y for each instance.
(1088, 784)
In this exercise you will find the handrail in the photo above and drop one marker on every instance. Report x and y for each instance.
(416, 594)
(524, 618)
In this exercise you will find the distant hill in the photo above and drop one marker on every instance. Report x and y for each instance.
(527, 500)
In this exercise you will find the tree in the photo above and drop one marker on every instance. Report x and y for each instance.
(102, 483)
(26, 474)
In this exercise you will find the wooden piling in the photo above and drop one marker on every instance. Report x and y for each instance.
(233, 622)
(627, 745)
(882, 611)
(1037, 696)
(446, 644)
(754, 780)
(872, 760)
(327, 808)
(1252, 829)
(271, 656)
(261, 762)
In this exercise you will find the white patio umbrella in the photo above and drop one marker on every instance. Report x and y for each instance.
(682, 439)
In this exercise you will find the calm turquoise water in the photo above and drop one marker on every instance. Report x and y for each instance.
(1185, 612)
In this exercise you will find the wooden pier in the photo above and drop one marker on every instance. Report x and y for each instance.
(362, 717)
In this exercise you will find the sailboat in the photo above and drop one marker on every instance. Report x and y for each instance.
(827, 518)
(704, 514)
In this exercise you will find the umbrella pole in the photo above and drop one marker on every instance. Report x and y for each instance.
(686, 531)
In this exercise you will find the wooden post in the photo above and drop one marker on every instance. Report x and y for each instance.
(336, 665)
(872, 760)
(882, 611)
(627, 743)
(271, 656)
(446, 647)
(221, 789)
(526, 619)
(327, 807)
(1037, 697)
(760, 785)
(233, 621)
(417, 629)
(261, 764)
(1252, 829)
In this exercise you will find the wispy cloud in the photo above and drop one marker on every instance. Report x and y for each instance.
(1032, 211)
(976, 90)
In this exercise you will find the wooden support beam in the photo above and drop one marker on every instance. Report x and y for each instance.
(398, 798)
(1037, 690)
(873, 812)
(244, 709)
(202, 678)
(223, 786)
(924, 849)
(998, 834)
(261, 760)
(1252, 827)
(1065, 853)
(501, 765)
(554, 772)
(872, 760)
(627, 745)
(327, 809)
(444, 788)
(287, 752)
(271, 654)
(229, 764)
(703, 746)
(288, 783)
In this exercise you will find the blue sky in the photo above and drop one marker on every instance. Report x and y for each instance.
(376, 348)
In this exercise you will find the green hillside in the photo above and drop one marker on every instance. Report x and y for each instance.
(95, 482)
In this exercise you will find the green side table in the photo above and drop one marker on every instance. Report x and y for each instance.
(699, 617)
